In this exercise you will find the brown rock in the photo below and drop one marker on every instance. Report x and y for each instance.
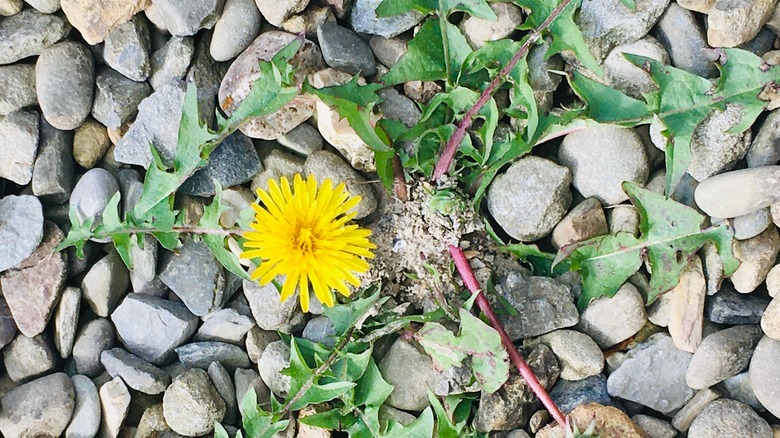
(610, 423)
(90, 143)
(245, 70)
(757, 256)
(96, 18)
(584, 221)
(686, 313)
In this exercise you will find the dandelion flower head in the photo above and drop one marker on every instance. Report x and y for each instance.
(304, 233)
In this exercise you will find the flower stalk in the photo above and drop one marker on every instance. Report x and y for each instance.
(517, 360)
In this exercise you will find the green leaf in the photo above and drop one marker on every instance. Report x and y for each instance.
(426, 58)
(607, 105)
(79, 234)
(565, 34)
(371, 391)
(258, 423)
(630, 4)
(330, 420)
(476, 8)
(671, 234)
(345, 316)
(541, 262)
(216, 242)
(321, 393)
(219, 431)
(422, 427)
(444, 425)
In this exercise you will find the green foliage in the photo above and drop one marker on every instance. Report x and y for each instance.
(671, 233)
(542, 263)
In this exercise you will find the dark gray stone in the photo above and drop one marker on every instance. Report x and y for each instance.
(117, 98)
(134, 371)
(65, 83)
(730, 307)
(21, 228)
(568, 394)
(233, 162)
(680, 33)
(344, 50)
(396, 106)
(19, 137)
(54, 171)
(28, 33)
(25, 358)
(202, 354)
(40, 408)
(224, 384)
(304, 140)
(195, 276)
(186, 17)
(170, 63)
(17, 87)
(320, 330)
(126, 49)
(151, 327)
(95, 337)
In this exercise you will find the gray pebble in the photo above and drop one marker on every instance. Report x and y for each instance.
(578, 355)
(117, 98)
(143, 277)
(92, 193)
(568, 394)
(17, 87)
(396, 106)
(224, 385)
(304, 140)
(344, 50)
(7, 325)
(191, 404)
(612, 320)
(202, 290)
(202, 354)
(739, 192)
(95, 337)
(237, 27)
(19, 136)
(763, 371)
(186, 17)
(45, 6)
(21, 228)
(25, 358)
(320, 330)
(233, 162)
(66, 320)
(276, 11)
(765, 149)
(105, 284)
(682, 35)
(714, 147)
(224, 325)
(170, 63)
(733, 23)
(54, 170)
(126, 49)
(752, 224)
(730, 307)
(42, 407)
(739, 388)
(410, 372)
(275, 358)
(28, 33)
(65, 82)
(115, 402)
(729, 418)
(134, 371)
(86, 414)
(327, 165)
(721, 355)
(654, 427)
(365, 20)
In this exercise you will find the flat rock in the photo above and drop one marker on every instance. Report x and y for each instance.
(721, 355)
(344, 50)
(95, 19)
(683, 37)
(224, 325)
(224, 385)
(105, 284)
(542, 305)
(134, 371)
(686, 307)
(236, 29)
(191, 404)
(54, 169)
(568, 394)
(739, 192)
(589, 151)
(28, 33)
(267, 309)
(364, 20)
(275, 358)
(578, 355)
(763, 371)
(731, 23)
(33, 287)
(171, 61)
(66, 320)
(238, 80)
(25, 358)
(730, 307)
(757, 256)
(42, 407)
(610, 321)
(115, 404)
(233, 162)
(157, 123)
(663, 390)
(19, 134)
(65, 82)
(584, 221)
(151, 327)
(728, 418)
(202, 354)
(21, 228)
(17, 87)
(126, 49)
(410, 371)
(202, 290)
(117, 98)
(95, 337)
(85, 421)
(324, 165)
(537, 187)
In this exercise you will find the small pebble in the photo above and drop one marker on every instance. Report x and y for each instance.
(65, 82)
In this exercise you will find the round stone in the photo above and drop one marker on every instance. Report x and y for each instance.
(65, 83)
(728, 418)
(21, 228)
(191, 404)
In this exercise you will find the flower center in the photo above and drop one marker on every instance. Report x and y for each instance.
(304, 241)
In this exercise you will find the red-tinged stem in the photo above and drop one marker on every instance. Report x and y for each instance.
(445, 160)
(525, 371)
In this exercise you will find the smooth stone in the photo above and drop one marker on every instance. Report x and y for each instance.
(17, 87)
(224, 385)
(542, 305)
(751, 224)
(739, 388)
(238, 26)
(388, 50)
(623, 219)
(684, 39)
(663, 390)
(584, 221)
(686, 307)
(10, 7)
(344, 50)
(275, 358)
(90, 143)
(92, 193)
(537, 187)
(728, 418)
(763, 374)
(95, 337)
(770, 321)
(117, 98)
(568, 394)
(365, 20)
(411, 373)
(578, 355)
(126, 49)
(731, 23)
(170, 62)
(684, 417)
(702, 6)
(232, 163)
(304, 140)
(610, 321)
(623, 75)
(54, 171)
(134, 371)
(66, 320)
(713, 267)
(202, 354)
(186, 17)
(713, 147)
(654, 427)
(191, 404)
(739, 192)
(721, 355)
(256, 341)
(32, 288)
(21, 228)
(731, 307)
(276, 165)
(19, 138)
(321, 331)
(157, 123)
(513, 404)
(396, 106)
(105, 284)
(115, 403)
(773, 281)
(151, 327)
(765, 149)
(143, 278)
(589, 151)
(65, 82)
(28, 33)
(224, 325)
(95, 19)
(246, 379)
(238, 80)
(85, 421)
(45, 6)
(7, 324)
(39, 408)
(25, 358)
(757, 256)
(325, 165)
(479, 31)
(202, 290)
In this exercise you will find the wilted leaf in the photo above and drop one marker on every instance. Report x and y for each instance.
(216, 242)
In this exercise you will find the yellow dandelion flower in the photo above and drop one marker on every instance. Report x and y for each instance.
(304, 233)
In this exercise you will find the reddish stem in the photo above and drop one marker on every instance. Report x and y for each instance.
(525, 371)
(445, 160)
